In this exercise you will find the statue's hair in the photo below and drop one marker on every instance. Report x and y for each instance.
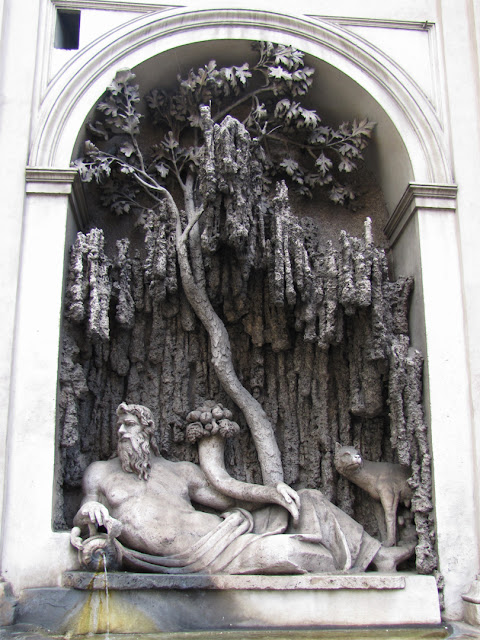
(145, 417)
(135, 455)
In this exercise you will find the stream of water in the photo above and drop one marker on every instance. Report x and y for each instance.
(107, 598)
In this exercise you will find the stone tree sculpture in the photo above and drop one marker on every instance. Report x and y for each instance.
(204, 174)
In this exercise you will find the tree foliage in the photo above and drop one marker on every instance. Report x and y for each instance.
(267, 97)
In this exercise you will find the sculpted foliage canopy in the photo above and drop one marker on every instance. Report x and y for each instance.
(290, 140)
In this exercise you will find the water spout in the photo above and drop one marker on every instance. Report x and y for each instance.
(107, 600)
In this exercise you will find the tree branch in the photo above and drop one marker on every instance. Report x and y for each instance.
(219, 116)
(191, 224)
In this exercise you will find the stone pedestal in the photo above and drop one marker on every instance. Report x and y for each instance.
(148, 603)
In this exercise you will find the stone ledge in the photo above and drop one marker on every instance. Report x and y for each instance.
(122, 581)
(204, 607)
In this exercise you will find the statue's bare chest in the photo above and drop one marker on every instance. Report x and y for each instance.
(121, 487)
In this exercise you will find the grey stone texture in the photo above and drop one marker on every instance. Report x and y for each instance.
(229, 607)
(120, 581)
(7, 604)
(314, 392)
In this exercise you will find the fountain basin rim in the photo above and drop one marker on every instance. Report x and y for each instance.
(122, 581)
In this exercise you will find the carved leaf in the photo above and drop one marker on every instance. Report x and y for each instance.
(310, 118)
(90, 149)
(279, 73)
(109, 107)
(289, 165)
(288, 56)
(162, 169)
(98, 129)
(169, 142)
(242, 73)
(127, 149)
(323, 163)
(347, 165)
(363, 128)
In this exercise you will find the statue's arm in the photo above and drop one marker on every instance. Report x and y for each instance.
(92, 510)
(201, 491)
(244, 494)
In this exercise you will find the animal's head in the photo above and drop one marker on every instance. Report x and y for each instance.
(347, 458)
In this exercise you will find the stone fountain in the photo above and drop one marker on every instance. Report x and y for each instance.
(219, 345)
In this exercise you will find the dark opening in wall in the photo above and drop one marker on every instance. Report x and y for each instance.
(67, 29)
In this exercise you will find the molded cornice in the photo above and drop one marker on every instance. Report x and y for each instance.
(59, 182)
(113, 5)
(344, 21)
(49, 180)
(433, 197)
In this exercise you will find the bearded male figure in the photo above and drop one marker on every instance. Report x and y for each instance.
(149, 500)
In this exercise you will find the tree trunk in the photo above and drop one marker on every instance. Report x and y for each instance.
(193, 281)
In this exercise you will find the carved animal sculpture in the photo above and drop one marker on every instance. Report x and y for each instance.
(385, 482)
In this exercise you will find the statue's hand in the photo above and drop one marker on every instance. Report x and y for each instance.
(75, 538)
(292, 500)
(94, 513)
(113, 526)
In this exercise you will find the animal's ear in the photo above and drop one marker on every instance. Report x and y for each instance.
(338, 446)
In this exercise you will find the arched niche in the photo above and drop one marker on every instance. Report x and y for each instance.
(337, 96)
(353, 79)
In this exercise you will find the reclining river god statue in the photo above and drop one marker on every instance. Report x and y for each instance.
(145, 504)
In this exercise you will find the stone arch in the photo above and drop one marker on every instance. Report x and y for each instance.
(409, 121)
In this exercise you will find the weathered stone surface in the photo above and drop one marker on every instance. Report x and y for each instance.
(121, 581)
(330, 381)
(46, 607)
(150, 610)
(7, 604)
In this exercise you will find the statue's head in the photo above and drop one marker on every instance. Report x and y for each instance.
(141, 413)
(136, 431)
(347, 458)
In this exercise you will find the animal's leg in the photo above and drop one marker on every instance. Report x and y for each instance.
(380, 518)
(389, 502)
(387, 560)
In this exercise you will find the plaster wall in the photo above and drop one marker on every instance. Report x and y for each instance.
(428, 47)
(463, 87)
(17, 74)
(425, 250)
(30, 452)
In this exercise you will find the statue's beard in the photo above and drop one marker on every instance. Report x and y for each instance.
(134, 454)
